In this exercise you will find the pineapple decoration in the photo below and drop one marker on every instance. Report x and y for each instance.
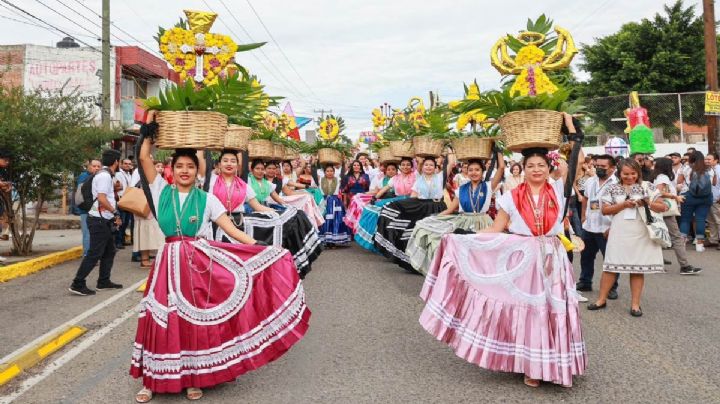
(536, 52)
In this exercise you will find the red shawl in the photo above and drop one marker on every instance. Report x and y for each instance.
(551, 209)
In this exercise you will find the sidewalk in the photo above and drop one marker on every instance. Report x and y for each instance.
(45, 242)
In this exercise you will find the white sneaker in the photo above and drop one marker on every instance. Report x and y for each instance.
(3, 259)
(699, 247)
(581, 298)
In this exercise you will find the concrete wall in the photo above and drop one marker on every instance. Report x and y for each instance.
(74, 69)
(12, 61)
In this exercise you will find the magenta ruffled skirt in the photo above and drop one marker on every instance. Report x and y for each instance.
(204, 322)
(506, 303)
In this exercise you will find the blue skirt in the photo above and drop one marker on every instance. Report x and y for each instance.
(334, 231)
(367, 225)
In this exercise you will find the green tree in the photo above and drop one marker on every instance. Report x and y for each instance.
(50, 135)
(664, 54)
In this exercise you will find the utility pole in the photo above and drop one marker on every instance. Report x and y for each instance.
(105, 114)
(711, 67)
(322, 112)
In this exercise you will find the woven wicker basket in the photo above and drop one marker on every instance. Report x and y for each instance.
(237, 137)
(190, 129)
(291, 154)
(402, 148)
(260, 149)
(385, 155)
(426, 146)
(473, 147)
(278, 152)
(329, 156)
(532, 128)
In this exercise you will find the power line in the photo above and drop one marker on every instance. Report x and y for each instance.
(38, 25)
(65, 17)
(292, 66)
(579, 23)
(297, 92)
(50, 25)
(113, 24)
(290, 83)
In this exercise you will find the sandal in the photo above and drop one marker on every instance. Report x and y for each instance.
(146, 264)
(194, 394)
(534, 383)
(144, 395)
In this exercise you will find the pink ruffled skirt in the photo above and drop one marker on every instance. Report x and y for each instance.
(306, 202)
(352, 215)
(213, 311)
(506, 303)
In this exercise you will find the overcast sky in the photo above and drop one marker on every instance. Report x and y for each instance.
(352, 55)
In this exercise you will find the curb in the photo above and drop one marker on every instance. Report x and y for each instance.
(34, 355)
(33, 265)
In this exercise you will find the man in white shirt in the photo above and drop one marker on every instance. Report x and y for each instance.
(124, 177)
(102, 218)
(677, 165)
(713, 218)
(595, 224)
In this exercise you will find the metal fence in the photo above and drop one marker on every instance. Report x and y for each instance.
(674, 117)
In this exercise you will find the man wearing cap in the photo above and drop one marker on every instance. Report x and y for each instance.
(102, 220)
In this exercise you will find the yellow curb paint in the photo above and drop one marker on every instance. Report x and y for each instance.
(9, 373)
(142, 287)
(31, 266)
(34, 355)
(59, 342)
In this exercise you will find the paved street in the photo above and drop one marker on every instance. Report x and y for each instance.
(365, 344)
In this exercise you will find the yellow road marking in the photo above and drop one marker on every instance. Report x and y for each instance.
(35, 354)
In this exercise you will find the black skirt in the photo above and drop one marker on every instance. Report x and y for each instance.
(291, 229)
(396, 223)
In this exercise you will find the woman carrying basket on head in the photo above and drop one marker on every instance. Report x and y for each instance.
(290, 227)
(333, 232)
(507, 301)
(211, 310)
(398, 219)
(398, 187)
(472, 200)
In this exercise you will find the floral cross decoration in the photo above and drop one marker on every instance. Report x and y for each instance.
(196, 52)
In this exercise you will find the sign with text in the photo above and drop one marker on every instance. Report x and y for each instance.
(712, 102)
(74, 69)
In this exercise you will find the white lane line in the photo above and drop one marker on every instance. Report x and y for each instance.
(67, 357)
(73, 321)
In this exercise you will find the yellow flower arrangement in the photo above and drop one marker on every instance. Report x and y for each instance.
(378, 119)
(270, 121)
(418, 118)
(329, 129)
(529, 55)
(398, 116)
(530, 62)
(222, 46)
